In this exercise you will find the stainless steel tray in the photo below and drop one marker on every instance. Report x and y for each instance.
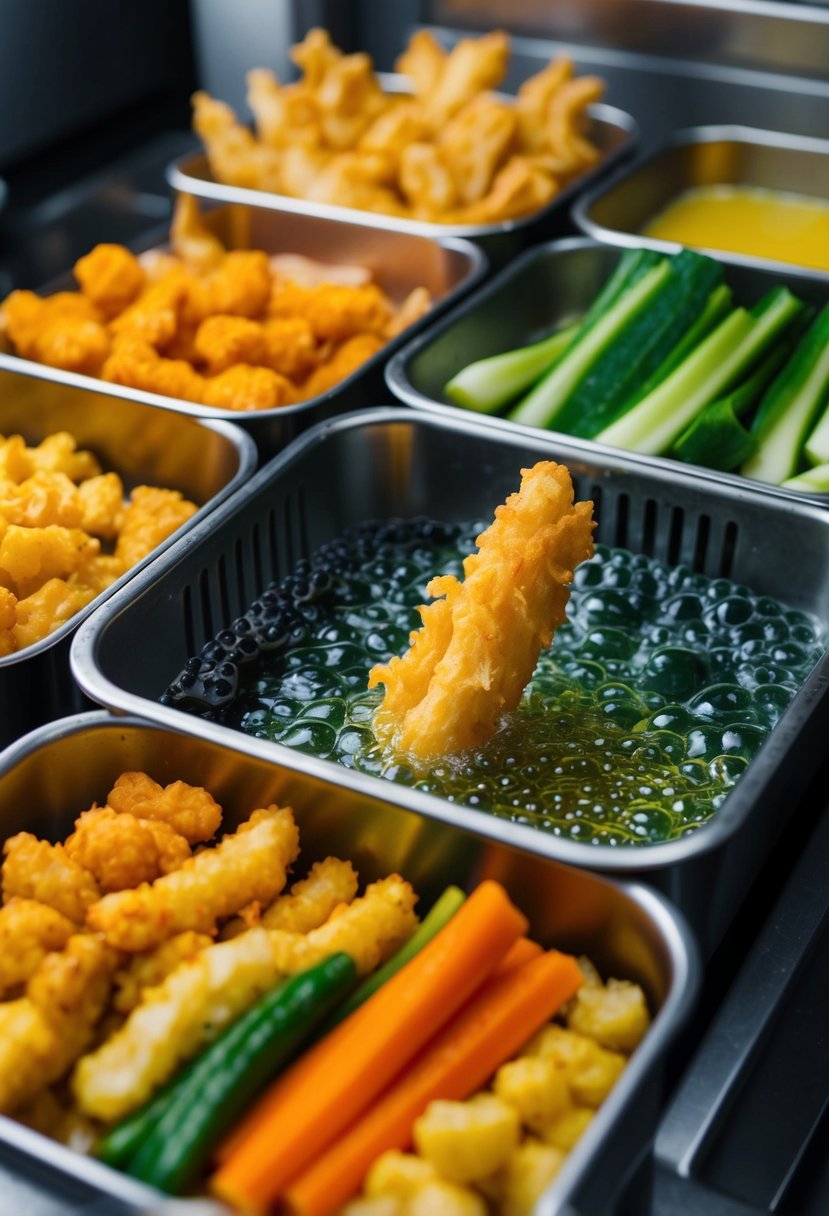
(206, 461)
(544, 288)
(399, 262)
(612, 130)
(629, 932)
(396, 463)
(617, 210)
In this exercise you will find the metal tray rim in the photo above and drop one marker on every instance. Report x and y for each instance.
(397, 380)
(248, 458)
(707, 839)
(708, 133)
(677, 938)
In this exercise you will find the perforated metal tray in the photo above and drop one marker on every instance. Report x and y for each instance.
(396, 463)
(628, 931)
(205, 461)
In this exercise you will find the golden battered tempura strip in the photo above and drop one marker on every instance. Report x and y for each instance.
(29, 930)
(150, 969)
(512, 600)
(35, 869)
(189, 809)
(124, 851)
(250, 865)
(307, 905)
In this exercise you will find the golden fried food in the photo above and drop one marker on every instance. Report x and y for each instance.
(65, 330)
(58, 453)
(334, 137)
(29, 557)
(135, 363)
(123, 851)
(220, 341)
(189, 810)
(476, 651)
(244, 387)
(101, 503)
(191, 240)
(44, 498)
(154, 317)
(110, 277)
(152, 515)
(29, 930)
(35, 869)
(44, 1032)
(307, 905)
(347, 357)
(250, 865)
(45, 610)
(8, 620)
(152, 968)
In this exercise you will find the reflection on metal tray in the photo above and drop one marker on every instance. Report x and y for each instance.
(627, 930)
(612, 130)
(398, 261)
(205, 461)
(389, 463)
(545, 288)
(617, 212)
(746, 1132)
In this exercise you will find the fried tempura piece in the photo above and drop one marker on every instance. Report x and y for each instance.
(234, 154)
(426, 181)
(221, 341)
(423, 61)
(15, 462)
(8, 620)
(475, 142)
(574, 152)
(520, 188)
(401, 125)
(154, 317)
(346, 359)
(35, 869)
(308, 904)
(191, 239)
(59, 453)
(250, 865)
(43, 1033)
(370, 930)
(282, 115)
(44, 498)
(110, 277)
(533, 102)
(416, 305)
(238, 286)
(52, 605)
(123, 851)
(63, 330)
(473, 65)
(151, 969)
(333, 311)
(29, 557)
(475, 653)
(137, 364)
(94, 575)
(101, 503)
(190, 810)
(243, 387)
(29, 930)
(290, 346)
(153, 514)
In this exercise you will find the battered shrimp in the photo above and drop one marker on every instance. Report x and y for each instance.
(189, 809)
(123, 851)
(308, 904)
(35, 869)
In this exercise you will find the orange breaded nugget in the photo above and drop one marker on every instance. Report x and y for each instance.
(154, 317)
(251, 864)
(120, 850)
(221, 341)
(59, 453)
(52, 605)
(346, 359)
(333, 310)
(101, 501)
(111, 277)
(35, 869)
(44, 498)
(239, 286)
(8, 620)
(29, 930)
(152, 515)
(290, 346)
(31, 556)
(243, 387)
(136, 364)
(190, 810)
(477, 649)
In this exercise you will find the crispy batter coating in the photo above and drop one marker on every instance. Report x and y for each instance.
(350, 355)
(29, 930)
(308, 904)
(154, 317)
(221, 341)
(44, 498)
(63, 330)
(35, 869)
(153, 514)
(31, 556)
(8, 620)
(135, 363)
(59, 453)
(45, 610)
(250, 865)
(101, 503)
(370, 929)
(152, 968)
(190, 810)
(244, 387)
(191, 239)
(123, 851)
(44, 1032)
(477, 648)
(110, 277)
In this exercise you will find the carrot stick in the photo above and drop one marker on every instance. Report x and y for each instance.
(458, 1061)
(307, 1108)
(518, 955)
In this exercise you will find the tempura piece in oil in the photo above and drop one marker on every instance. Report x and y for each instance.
(476, 651)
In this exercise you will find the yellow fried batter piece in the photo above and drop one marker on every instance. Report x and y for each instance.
(153, 514)
(110, 277)
(154, 317)
(101, 503)
(63, 330)
(29, 930)
(44, 1032)
(152, 968)
(123, 851)
(44, 498)
(59, 453)
(239, 286)
(477, 649)
(250, 865)
(190, 810)
(308, 904)
(35, 869)
(45, 610)
(220, 341)
(191, 239)
(243, 387)
(8, 620)
(31, 556)
(135, 363)
(346, 359)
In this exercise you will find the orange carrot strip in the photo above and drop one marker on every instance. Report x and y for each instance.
(459, 1060)
(306, 1109)
(518, 955)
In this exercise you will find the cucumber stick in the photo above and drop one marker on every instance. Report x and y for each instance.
(789, 408)
(813, 481)
(654, 423)
(542, 404)
(717, 307)
(489, 383)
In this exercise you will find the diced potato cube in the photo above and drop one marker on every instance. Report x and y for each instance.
(590, 1070)
(616, 1016)
(445, 1199)
(525, 1177)
(399, 1174)
(374, 1205)
(535, 1087)
(591, 1085)
(466, 1141)
(566, 1131)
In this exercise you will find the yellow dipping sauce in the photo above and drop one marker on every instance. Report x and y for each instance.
(743, 219)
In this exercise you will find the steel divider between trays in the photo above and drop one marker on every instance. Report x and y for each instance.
(625, 927)
(397, 462)
(140, 444)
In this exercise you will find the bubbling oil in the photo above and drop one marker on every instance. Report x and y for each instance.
(657, 691)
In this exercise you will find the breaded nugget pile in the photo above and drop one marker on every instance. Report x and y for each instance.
(478, 646)
(449, 152)
(236, 330)
(132, 944)
(57, 510)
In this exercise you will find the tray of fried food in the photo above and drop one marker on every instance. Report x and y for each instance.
(234, 329)
(433, 145)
